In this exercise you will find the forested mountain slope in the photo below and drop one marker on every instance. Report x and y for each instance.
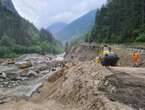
(18, 36)
(56, 27)
(120, 21)
(77, 28)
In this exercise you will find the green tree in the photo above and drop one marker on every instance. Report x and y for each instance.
(7, 41)
(119, 21)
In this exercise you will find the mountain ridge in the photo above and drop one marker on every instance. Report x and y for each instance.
(78, 27)
(56, 27)
(19, 36)
(8, 4)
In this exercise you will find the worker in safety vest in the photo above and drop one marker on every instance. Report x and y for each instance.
(136, 58)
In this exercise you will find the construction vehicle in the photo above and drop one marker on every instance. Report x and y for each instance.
(106, 57)
(98, 60)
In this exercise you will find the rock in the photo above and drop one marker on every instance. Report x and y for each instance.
(45, 72)
(32, 73)
(23, 78)
(6, 83)
(40, 67)
(45, 67)
(2, 102)
(1, 80)
(1, 86)
(53, 69)
(4, 74)
(14, 84)
(125, 88)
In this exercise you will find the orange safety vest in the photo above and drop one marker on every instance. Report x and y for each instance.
(136, 57)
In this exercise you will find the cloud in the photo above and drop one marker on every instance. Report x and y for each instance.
(45, 12)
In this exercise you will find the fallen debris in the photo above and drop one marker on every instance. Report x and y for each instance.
(78, 86)
(125, 88)
(25, 76)
(32, 73)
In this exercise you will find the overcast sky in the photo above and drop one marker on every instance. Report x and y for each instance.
(45, 12)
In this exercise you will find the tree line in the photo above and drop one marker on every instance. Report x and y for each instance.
(18, 36)
(119, 21)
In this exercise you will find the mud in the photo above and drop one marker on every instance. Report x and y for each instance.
(126, 88)
(16, 82)
(84, 85)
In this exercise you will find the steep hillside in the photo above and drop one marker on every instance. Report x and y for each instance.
(18, 36)
(56, 27)
(8, 5)
(120, 21)
(78, 27)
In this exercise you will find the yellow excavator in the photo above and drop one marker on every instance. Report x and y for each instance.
(100, 56)
(107, 57)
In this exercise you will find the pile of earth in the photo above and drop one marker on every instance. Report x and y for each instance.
(87, 86)
(83, 52)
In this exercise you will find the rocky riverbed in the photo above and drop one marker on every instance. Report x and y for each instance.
(18, 82)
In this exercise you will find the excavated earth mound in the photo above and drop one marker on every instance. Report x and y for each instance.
(87, 86)
(126, 89)
(82, 53)
(80, 88)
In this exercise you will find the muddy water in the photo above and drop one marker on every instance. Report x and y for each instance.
(24, 82)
